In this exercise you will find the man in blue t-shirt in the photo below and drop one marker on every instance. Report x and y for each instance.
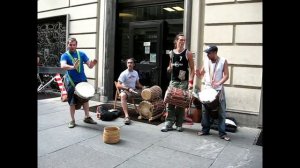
(73, 61)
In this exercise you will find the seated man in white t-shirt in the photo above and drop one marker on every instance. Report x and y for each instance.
(129, 84)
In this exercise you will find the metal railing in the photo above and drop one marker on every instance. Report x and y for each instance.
(48, 76)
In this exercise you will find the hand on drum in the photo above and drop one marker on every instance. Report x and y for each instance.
(215, 84)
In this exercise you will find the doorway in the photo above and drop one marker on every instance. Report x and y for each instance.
(146, 32)
(145, 45)
(149, 44)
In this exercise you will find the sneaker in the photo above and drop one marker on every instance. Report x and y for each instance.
(71, 124)
(166, 129)
(179, 129)
(127, 121)
(201, 133)
(225, 137)
(89, 120)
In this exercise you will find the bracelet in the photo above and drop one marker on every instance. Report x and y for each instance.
(191, 81)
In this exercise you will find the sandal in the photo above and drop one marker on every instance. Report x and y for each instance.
(201, 133)
(127, 120)
(226, 138)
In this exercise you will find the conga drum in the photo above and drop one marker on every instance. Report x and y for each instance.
(151, 93)
(196, 110)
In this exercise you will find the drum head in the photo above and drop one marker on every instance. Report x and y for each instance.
(146, 94)
(208, 95)
(145, 108)
(84, 90)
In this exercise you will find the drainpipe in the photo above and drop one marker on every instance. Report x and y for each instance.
(200, 43)
(97, 48)
(187, 22)
(109, 47)
(260, 116)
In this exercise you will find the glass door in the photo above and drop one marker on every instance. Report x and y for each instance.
(146, 47)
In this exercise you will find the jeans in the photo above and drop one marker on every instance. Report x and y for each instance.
(205, 121)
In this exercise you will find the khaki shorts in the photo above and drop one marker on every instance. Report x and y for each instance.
(130, 94)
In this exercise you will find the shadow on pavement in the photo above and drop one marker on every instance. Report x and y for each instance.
(48, 95)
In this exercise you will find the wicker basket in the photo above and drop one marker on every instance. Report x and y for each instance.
(111, 134)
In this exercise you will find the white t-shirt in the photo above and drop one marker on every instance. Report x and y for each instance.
(129, 78)
(209, 67)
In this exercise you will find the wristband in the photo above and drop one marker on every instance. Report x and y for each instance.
(191, 81)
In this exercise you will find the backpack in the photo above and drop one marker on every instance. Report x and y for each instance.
(107, 115)
(230, 124)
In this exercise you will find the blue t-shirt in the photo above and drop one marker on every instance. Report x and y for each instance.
(74, 74)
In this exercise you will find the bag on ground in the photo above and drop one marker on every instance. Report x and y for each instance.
(107, 115)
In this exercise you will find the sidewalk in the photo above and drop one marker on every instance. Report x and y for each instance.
(141, 145)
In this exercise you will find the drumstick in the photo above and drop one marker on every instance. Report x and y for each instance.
(134, 92)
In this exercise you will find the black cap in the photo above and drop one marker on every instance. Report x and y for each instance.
(211, 48)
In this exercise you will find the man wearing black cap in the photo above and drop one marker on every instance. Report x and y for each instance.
(215, 71)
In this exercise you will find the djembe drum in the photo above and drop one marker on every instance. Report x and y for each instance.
(209, 97)
(83, 92)
(178, 97)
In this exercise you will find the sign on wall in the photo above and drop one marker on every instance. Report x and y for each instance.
(51, 39)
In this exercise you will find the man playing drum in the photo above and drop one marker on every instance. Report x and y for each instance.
(215, 71)
(73, 61)
(128, 82)
(181, 60)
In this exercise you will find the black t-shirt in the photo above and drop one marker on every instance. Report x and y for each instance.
(180, 62)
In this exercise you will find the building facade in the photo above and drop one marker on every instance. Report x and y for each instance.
(113, 30)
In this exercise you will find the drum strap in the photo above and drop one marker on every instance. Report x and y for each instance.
(73, 61)
(212, 73)
(70, 79)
